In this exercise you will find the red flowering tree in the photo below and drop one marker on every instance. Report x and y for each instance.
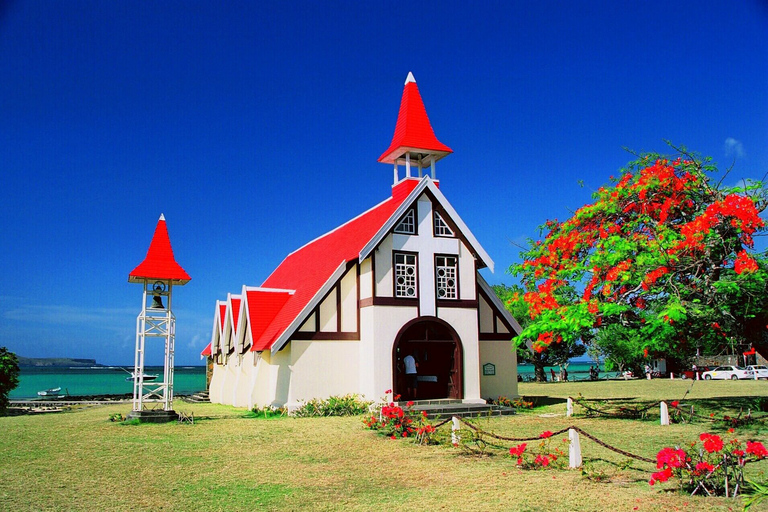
(663, 252)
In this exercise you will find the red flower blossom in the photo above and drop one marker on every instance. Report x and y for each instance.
(757, 449)
(545, 434)
(542, 460)
(712, 443)
(670, 458)
(518, 450)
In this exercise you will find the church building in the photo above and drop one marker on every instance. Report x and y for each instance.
(340, 314)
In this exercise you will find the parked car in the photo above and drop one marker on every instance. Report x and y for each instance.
(760, 370)
(729, 372)
(690, 374)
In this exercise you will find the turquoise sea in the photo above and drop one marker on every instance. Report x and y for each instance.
(100, 380)
(576, 371)
(110, 380)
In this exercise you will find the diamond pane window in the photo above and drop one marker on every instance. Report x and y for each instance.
(441, 227)
(408, 224)
(405, 275)
(445, 277)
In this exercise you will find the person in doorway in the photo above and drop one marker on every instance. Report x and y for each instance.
(411, 375)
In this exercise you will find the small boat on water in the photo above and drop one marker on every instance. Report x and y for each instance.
(146, 377)
(49, 392)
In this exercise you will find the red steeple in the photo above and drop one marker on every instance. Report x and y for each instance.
(413, 133)
(159, 262)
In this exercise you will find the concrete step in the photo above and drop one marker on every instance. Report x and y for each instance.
(199, 397)
(446, 408)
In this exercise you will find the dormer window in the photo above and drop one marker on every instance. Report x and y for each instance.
(441, 227)
(407, 225)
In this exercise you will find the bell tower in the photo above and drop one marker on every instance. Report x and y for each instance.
(158, 273)
(414, 142)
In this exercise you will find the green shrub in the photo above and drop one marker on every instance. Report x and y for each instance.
(347, 405)
(269, 411)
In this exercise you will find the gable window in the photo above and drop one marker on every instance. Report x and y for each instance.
(441, 227)
(445, 277)
(407, 224)
(405, 275)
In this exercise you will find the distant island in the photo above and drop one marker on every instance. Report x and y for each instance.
(56, 362)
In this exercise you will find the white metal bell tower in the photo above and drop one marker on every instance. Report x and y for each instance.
(158, 273)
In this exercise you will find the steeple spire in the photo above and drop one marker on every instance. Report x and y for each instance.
(159, 262)
(414, 140)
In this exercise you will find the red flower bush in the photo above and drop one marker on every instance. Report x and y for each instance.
(708, 464)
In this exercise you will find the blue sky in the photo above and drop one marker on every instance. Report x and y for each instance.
(256, 126)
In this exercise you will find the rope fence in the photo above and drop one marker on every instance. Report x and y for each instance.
(574, 439)
(663, 405)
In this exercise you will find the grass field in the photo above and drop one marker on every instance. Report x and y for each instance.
(228, 460)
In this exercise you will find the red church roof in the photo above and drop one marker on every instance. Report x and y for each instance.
(159, 262)
(206, 351)
(413, 133)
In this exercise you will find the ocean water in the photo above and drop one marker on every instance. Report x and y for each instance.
(110, 380)
(100, 380)
(576, 371)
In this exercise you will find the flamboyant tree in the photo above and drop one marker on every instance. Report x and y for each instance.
(663, 252)
(558, 355)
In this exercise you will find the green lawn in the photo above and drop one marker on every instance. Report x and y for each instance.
(79, 460)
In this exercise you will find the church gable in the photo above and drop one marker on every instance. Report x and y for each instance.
(494, 320)
(337, 316)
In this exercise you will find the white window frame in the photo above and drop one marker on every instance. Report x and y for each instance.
(405, 269)
(407, 225)
(447, 277)
(441, 227)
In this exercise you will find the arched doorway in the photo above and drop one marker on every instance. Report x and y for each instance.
(437, 348)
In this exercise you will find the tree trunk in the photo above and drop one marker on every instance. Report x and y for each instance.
(538, 368)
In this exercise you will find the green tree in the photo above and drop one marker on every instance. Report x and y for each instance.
(9, 375)
(662, 258)
(558, 356)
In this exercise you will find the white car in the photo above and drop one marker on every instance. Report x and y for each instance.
(729, 372)
(760, 370)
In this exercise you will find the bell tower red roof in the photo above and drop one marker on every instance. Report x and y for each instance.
(159, 262)
(413, 133)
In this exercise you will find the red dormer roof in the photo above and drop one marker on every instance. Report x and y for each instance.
(206, 351)
(222, 315)
(235, 311)
(159, 262)
(262, 306)
(413, 132)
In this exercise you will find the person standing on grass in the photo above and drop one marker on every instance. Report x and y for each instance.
(552, 371)
(411, 375)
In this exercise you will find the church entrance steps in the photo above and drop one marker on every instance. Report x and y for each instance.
(200, 397)
(446, 408)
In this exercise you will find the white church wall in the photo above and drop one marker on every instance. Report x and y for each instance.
(467, 272)
(383, 261)
(379, 328)
(348, 289)
(328, 321)
(504, 359)
(366, 281)
(320, 369)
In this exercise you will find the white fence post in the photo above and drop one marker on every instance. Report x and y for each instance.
(455, 426)
(574, 449)
(664, 413)
(569, 408)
